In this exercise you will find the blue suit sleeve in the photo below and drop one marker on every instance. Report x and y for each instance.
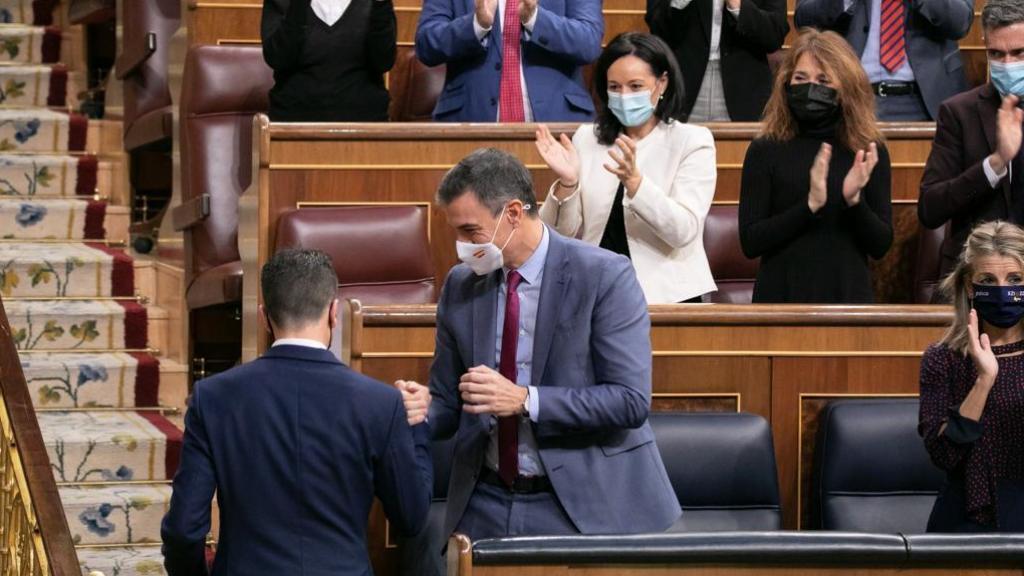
(405, 490)
(824, 14)
(447, 368)
(442, 36)
(950, 18)
(187, 522)
(620, 342)
(575, 37)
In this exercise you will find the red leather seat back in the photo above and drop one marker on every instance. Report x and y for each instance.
(147, 90)
(734, 273)
(928, 263)
(381, 253)
(414, 88)
(223, 88)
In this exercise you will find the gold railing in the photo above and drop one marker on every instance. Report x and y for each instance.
(34, 535)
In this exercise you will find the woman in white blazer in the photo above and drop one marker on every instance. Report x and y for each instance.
(639, 181)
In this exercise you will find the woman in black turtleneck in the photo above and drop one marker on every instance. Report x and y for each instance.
(814, 202)
(329, 59)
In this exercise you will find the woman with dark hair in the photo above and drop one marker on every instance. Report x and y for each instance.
(814, 201)
(329, 59)
(638, 181)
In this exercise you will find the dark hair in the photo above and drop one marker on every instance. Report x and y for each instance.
(1001, 13)
(298, 286)
(494, 176)
(659, 57)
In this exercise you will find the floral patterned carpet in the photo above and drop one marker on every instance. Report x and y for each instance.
(70, 296)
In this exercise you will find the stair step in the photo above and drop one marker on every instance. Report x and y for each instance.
(108, 380)
(125, 514)
(37, 85)
(68, 325)
(30, 12)
(30, 270)
(110, 446)
(123, 561)
(40, 130)
(34, 176)
(52, 219)
(29, 44)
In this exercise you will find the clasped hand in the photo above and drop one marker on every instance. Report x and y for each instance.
(482, 389)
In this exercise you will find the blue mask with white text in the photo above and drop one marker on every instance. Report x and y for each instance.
(1000, 306)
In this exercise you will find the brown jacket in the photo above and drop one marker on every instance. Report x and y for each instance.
(954, 187)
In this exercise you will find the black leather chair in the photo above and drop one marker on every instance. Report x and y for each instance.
(928, 263)
(871, 471)
(733, 272)
(722, 467)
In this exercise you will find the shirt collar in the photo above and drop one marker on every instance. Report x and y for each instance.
(304, 342)
(534, 265)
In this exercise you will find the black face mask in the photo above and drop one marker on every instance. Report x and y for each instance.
(815, 107)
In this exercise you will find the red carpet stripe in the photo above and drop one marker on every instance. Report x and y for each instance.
(135, 325)
(95, 213)
(88, 169)
(51, 45)
(122, 277)
(147, 380)
(173, 451)
(42, 12)
(78, 127)
(58, 95)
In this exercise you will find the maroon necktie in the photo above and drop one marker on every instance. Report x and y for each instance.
(891, 48)
(510, 105)
(508, 426)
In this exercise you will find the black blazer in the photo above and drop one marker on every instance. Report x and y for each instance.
(744, 46)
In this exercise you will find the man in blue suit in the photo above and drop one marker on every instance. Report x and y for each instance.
(511, 60)
(542, 371)
(296, 446)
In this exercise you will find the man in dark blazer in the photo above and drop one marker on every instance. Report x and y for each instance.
(296, 446)
(974, 172)
(733, 38)
(511, 60)
(909, 48)
(542, 371)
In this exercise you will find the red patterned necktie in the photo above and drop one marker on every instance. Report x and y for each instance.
(508, 426)
(891, 47)
(510, 104)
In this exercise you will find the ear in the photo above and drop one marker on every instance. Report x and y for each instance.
(265, 320)
(662, 85)
(515, 212)
(332, 314)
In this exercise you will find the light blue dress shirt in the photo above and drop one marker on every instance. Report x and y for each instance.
(532, 272)
(870, 58)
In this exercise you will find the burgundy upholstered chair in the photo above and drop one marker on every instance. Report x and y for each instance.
(380, 253)
(733, 272)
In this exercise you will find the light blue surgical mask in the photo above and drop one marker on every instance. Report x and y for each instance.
(1007, 77)
(631, 109)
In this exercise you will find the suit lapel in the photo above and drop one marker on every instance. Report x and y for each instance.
(704, 10)
(485, 301)
(552, 298)
(988, 109)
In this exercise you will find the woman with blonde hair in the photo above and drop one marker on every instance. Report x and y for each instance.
(972, 388)
(814, 200)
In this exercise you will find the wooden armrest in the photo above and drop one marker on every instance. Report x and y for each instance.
(132, 59)
(191, 212)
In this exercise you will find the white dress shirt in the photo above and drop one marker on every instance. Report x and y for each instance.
(329, 11)
(305, 342)
(716, 24)
(483, 35)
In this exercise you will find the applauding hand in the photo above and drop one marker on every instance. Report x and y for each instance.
(625, 164)
(860, 173)
(980, 350)
(818, 194)
(563, 159)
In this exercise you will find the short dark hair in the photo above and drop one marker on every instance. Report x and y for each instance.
(1001, 13)
(494, 176)
(298, 286)
(659, 57)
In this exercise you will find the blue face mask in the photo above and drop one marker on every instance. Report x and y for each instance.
(631, 109)
(1008, 78)
(1000, 306)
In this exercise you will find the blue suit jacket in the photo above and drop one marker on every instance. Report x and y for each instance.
(934, 28)
(296, 445)
(566, 36)
(592, 367)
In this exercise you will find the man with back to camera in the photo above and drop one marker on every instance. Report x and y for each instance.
(542, 371)
(296, 445)
(974, 172)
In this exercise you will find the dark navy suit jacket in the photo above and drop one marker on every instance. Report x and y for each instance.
(296, 446)
(566, 36)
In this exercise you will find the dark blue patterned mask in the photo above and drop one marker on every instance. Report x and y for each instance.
(1001, 306)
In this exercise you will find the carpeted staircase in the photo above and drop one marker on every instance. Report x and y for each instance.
(70, 292)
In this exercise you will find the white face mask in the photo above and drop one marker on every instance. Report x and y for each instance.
(485, 258)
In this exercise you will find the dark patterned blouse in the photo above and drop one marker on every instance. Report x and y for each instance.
(985, 455)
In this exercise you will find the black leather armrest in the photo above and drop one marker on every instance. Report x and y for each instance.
(134, 57)
(191, 212)
(966, 549)
(785, 548)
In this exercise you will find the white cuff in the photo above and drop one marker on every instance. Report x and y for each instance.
(480, 31)
(734, 11)
(533, 403)
(556, 185)
(533, 20)
(846, 5)
(990, 172)
(679, 4)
